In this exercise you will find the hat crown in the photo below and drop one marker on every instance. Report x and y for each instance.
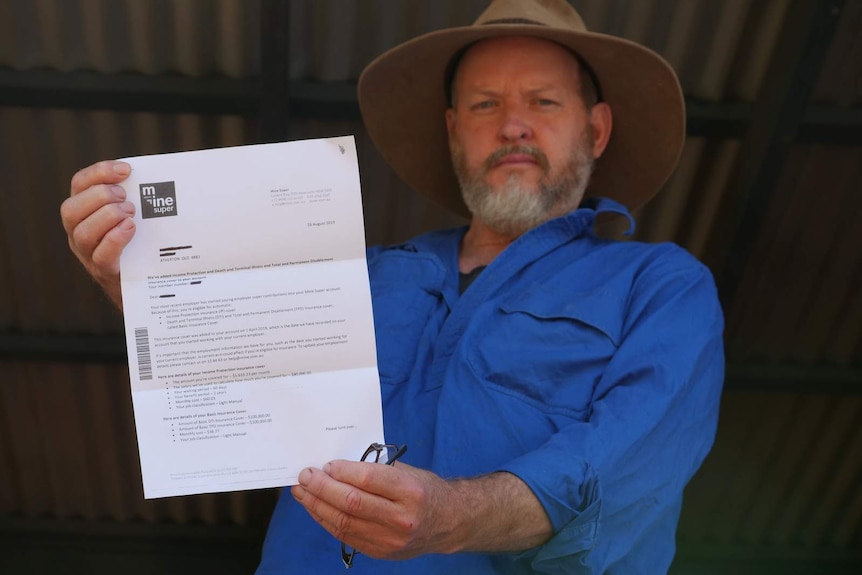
(552, 13)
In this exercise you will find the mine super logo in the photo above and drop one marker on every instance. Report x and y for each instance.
(158, 200)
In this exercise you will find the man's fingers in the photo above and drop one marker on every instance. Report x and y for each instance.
(337, 494)
(87, 235)
(333, 497)
(106, 256)
(383, 480)
(357, 532)
(107, 172)
(75, 209)
(313, 495)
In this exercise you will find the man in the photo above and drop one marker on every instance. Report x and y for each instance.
(556, 390)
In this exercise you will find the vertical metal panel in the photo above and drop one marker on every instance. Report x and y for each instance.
(336, 45)
(710, 192)
(94, 38)
(231, 35)
(194, 37)
(685, 211)
(838, 489)
(782, 467)
(28, 221)
(48, 19)
(834, 257)
(783, 473)
(74, 454)
(796, 290)
(756, 48)
(846, 339)
(274, 110)
(28, 468)
(8, 38)
(138, 25)
(806, 485)
(715, 65)
(840, 80)
(663, 217)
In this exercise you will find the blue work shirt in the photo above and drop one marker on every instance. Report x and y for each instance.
(589, 368)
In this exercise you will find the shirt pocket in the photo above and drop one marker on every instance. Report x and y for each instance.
(549, 347)
(406, 290)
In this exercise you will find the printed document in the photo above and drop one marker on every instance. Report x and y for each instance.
(248, 315)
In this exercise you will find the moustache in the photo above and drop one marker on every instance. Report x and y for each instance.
(532, 151)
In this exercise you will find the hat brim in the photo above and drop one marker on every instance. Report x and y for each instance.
(402, 99)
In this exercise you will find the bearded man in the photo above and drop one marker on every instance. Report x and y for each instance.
(557, 390)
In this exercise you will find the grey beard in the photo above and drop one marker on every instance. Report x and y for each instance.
(513, 209)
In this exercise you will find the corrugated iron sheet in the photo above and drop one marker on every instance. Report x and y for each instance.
(68, 450)
(786, 467)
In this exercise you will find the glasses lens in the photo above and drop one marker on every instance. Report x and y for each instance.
(373, 451)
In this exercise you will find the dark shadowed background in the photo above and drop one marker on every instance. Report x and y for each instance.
(767, 194)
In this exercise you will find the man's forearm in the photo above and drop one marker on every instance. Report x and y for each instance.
(497, 513)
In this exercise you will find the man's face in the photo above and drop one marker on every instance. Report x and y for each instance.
(521, 138)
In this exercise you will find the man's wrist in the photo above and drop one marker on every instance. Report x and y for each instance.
(497, 512)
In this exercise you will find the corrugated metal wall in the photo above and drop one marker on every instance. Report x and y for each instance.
(786, 471)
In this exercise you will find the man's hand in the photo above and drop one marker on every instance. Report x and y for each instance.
(384, 511)
(399, 511)
(98, 221)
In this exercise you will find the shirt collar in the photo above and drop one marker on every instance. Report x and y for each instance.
(592, 207)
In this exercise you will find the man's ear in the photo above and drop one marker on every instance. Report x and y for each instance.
(602, 123)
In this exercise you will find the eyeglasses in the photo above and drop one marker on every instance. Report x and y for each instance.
(393, 453)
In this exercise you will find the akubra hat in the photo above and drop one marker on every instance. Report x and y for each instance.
(402, 96)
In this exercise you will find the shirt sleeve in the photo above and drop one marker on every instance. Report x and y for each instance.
(606, 481)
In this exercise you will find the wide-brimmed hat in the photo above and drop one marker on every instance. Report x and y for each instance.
(402, 96)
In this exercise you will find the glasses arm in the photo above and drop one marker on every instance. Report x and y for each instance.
(347, 554)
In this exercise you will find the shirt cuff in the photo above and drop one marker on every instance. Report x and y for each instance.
(573, 503)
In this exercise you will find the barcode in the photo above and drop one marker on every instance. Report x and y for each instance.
(142, 344)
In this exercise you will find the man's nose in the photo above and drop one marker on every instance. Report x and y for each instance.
(515, 127)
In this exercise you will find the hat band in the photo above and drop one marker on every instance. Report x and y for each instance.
(513, 21)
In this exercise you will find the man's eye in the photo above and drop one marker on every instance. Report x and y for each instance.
(484, 105)
(545, 102)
